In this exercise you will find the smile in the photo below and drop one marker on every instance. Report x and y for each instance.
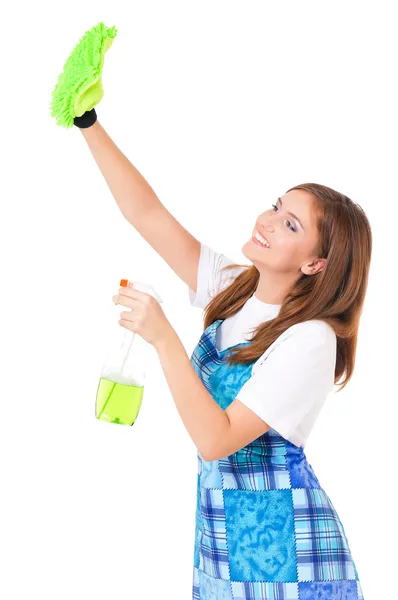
(260, 240)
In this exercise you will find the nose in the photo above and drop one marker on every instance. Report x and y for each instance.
(268, 226)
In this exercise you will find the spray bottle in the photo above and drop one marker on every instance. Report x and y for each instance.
(121, 385)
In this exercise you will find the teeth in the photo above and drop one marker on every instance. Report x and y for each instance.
(260, 238)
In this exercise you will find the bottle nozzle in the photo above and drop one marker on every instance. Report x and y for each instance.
(142, 287)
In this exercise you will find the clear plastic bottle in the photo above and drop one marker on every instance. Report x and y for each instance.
(121, 385)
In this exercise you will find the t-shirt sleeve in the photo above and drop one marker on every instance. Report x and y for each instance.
(294, 380)
(210, 279)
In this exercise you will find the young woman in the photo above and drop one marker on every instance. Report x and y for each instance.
(278, 334)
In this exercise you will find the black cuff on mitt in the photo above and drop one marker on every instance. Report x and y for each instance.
(86, 120)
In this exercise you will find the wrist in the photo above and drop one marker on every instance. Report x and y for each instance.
(86, 120)
(168, 338)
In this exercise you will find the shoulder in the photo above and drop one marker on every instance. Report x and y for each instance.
(307, 348)
(311, 344)
(312, 340)
(304, 343)
(314, 330)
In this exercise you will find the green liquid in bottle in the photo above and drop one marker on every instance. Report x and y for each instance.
(118, 403)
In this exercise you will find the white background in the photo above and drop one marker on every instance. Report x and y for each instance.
(222, 106)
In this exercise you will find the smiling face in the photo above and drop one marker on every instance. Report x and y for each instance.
(292, 238)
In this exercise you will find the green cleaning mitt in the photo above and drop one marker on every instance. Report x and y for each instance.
(79, 86)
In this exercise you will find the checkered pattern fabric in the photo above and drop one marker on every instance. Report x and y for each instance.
(265, 528)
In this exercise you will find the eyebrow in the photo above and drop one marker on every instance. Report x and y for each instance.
(293, 215)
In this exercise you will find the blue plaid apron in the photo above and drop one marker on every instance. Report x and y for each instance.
(265, 529)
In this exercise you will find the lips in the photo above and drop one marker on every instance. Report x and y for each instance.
(259, 243)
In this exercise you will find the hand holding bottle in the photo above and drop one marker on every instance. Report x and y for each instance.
(146, 316)
(121, 386)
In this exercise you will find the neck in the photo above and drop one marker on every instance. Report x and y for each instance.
(273, 290)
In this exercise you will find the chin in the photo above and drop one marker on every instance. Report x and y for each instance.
(244, 248)
(251, 252)
(250, 247)
(247, 250)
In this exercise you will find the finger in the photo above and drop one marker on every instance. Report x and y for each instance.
(133, 293)
(125, 301)
(127, 316)
(126, 324)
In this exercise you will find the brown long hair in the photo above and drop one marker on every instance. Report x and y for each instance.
(336, 294)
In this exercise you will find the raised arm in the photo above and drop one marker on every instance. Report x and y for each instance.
(142, 208)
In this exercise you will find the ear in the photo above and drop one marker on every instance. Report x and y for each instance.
(316, 266)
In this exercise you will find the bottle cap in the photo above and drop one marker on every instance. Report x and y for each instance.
(143, 287)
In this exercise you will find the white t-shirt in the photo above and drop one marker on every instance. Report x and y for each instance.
(292, 379)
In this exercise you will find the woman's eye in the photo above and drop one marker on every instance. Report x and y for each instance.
(287, 220)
